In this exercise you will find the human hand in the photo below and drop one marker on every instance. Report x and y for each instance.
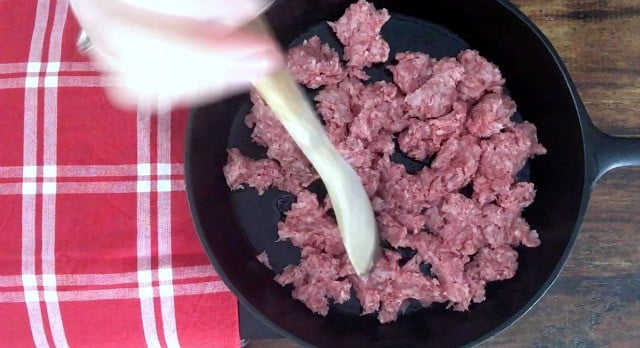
(178, 52)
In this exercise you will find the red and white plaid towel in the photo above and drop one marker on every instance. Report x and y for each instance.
(97, 245)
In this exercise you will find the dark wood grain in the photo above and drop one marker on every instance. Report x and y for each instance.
(596, 301)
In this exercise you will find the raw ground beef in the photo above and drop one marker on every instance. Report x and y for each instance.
(359, 31)
(460, 215)
(412, 70)
(315, 64)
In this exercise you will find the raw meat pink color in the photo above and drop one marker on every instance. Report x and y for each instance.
(490, 115)
(257, 174)
(334, 105)
(389, 286)
(503, 155)
(380, 106)
(425, 137)
(268, 131)
(412, 70)
(480, 76)
(316, 279)
(461, 215)
(490, 265)
(359, 31)
(261, 174)
(456, 163)
(264, 259)
(308, 226)
(436, 96)
(314, 64)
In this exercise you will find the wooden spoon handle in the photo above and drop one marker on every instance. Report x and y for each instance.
(351, 204)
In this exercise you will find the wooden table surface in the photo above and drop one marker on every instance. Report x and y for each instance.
(596, 300)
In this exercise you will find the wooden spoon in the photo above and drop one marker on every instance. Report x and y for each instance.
(351, 204)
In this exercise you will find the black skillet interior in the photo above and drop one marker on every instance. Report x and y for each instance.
(235, 226)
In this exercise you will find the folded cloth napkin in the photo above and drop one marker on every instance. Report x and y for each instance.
(97, 245)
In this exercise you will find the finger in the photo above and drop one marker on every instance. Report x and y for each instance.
(127, 98)
(180, 76)
(197, 79)
(187, 18)
(183, 90)
(233, 13)
(138, 50)
(128, 39)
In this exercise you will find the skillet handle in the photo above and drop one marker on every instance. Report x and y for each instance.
(609, 152)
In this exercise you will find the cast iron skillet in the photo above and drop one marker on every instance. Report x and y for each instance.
(234, 227)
